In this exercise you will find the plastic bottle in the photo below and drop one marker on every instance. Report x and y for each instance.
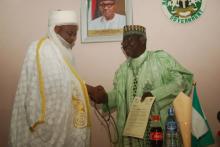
(156, 133)
(171, 133)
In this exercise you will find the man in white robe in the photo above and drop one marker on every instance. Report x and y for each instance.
(51, 106)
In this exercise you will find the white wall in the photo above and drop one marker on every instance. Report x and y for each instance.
(195, 45)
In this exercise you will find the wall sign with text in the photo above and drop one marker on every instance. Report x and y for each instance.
(183, 11)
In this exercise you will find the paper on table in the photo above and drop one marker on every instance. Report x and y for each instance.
(138, 117)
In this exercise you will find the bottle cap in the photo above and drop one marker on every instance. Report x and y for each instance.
(155, 117)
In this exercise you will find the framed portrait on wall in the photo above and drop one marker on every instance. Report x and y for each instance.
(103, 20)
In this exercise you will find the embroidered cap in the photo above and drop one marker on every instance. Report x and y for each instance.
(134, 29)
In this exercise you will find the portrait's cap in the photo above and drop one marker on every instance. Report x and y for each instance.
(62, 17)
(134, 29)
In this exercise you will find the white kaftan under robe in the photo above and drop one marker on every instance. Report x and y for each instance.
(61, 86)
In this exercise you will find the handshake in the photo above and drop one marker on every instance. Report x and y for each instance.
(97, 94)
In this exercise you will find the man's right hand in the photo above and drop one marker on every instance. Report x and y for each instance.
(97, 94)
(100, 95)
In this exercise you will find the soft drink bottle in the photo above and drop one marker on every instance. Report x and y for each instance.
(156, 133)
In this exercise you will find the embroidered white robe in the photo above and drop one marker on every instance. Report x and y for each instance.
(60, 86)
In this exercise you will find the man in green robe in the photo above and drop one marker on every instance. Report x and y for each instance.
(144, 73)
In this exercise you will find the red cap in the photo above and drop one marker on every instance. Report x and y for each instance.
(155, 117)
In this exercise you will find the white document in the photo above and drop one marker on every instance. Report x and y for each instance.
(138, 117)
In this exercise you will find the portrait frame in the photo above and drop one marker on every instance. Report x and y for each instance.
(97, 36)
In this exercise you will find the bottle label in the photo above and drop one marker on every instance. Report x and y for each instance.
(171, 126)
(156, 136)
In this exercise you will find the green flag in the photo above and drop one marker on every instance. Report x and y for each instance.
(201, 132)
(89, 3)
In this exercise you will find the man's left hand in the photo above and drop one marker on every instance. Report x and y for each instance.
(146, 94)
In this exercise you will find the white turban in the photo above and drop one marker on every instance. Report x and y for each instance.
(62, 17)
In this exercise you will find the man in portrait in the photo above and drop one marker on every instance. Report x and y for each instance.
(109, 18)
